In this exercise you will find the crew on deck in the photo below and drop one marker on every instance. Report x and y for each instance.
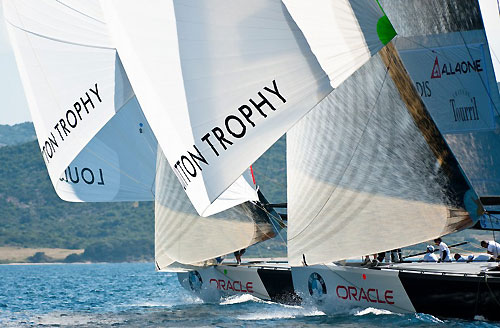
(492, 247)
(473, 258)
(460, 258)
(430, 256)
(238, 255)
(444, 251)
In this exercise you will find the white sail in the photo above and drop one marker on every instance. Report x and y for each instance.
(332, 30)
(184, 237)
(490, 11)
(75, 85)
(219, 81)
(450, 63)
(118, 164)
(367, 173)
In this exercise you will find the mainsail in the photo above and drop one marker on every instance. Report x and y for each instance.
(377, 173)
(374, 175)
(95, 141)
(221, 81)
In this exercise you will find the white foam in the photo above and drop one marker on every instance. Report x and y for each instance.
(56, 319)
(427, 318)
(284, 313)
(371, 310)
(236, 299)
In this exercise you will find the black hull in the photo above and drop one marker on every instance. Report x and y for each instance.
(448, 296)
(447, 290)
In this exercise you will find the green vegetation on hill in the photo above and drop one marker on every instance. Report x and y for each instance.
(16, 134)
(32, 215)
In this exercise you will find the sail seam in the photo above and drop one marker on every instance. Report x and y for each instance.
(80, 12)
(58, 40)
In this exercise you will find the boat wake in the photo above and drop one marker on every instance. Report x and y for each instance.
(370, 310)
(280, 313)
(237, 299)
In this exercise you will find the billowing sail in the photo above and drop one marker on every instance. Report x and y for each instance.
(182, 237)
(75, 84)
(332, 30)
(368, 170)
(118, 164)
(221, 81)
(448, 57)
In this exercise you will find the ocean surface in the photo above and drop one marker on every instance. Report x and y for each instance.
(134, 295)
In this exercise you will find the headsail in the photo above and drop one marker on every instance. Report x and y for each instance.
(184, 237)
(219, 81)
(374, 174)
(75, 85)
(332, 30)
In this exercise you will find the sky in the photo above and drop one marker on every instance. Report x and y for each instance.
(14, 108)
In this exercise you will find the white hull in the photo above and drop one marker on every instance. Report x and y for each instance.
(269, 281)
(335, 288)
(464, 290)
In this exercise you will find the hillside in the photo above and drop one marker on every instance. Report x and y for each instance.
(32, 215)
(16, 134)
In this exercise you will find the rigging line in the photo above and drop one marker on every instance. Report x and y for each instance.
(272, 223)
(350, 160)
(494, 54)
(491, 291)
(488, 92)
(493, 231)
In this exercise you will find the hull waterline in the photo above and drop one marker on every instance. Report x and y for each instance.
(446, 290)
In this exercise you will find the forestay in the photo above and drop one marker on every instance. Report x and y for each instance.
(220, 81)
(364, 177)
(184, 237)
(75, 85)
(447, 56)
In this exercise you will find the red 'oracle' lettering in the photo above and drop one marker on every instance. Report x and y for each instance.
(370, 295)
(236, 286)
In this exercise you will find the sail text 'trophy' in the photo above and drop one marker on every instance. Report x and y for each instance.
(70, 121)
(235, 126)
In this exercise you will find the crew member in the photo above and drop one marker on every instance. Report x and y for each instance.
(238, 254)
(444, 251)
(430, 256)
(493, 248)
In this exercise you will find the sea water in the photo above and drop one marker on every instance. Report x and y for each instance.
(134, 295)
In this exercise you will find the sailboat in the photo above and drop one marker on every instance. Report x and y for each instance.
(174, 100)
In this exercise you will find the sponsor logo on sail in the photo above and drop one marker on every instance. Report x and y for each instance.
(453, 68)
(232, 128)
(80, 109)
(317, 286)
(77, 175)
(464, 106)
(195, 281)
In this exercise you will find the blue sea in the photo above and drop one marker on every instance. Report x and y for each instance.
(134, 295)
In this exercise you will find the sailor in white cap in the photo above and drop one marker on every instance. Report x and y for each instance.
(430, 256)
